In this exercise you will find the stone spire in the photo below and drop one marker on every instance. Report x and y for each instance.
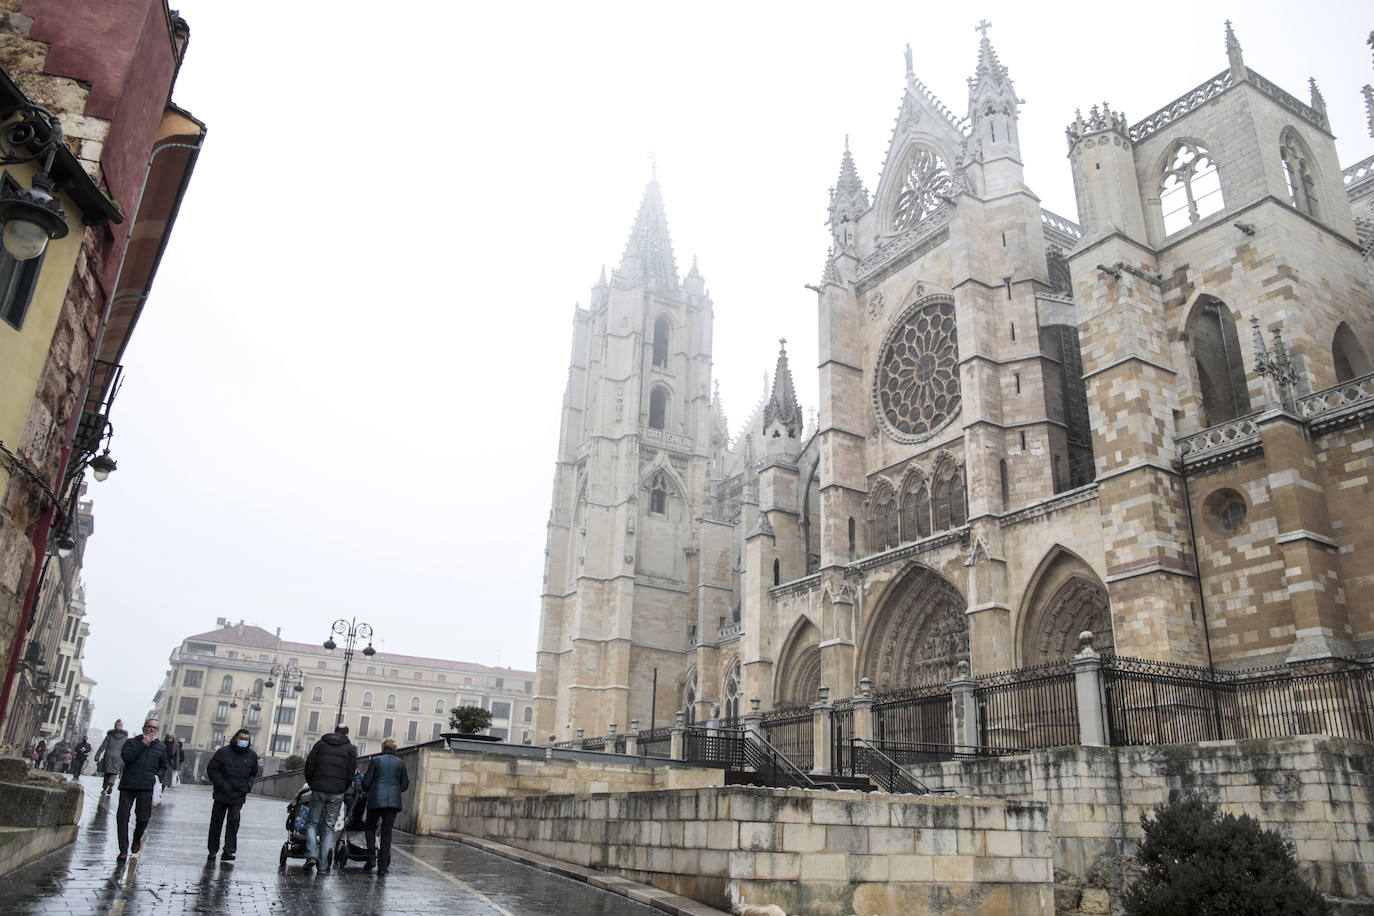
(649, 250)
(720, 427)
(782, 408)
(989, 68)
(1318, 102)
(993, 111)
(848, 199)
(1238, 71)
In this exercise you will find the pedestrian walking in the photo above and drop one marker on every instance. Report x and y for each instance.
(144, 760)
(39, 750)
(108, 761)
(175, 755)
(83, 750)
(329, 772)
(231, 770)
(386, 779)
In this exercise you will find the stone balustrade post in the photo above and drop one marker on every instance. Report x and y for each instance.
(677, 737)
(863, 710)
(579, 739)
(965, 707)
(632, 739)
(822, 748)
(1087, 674)
(609, 744)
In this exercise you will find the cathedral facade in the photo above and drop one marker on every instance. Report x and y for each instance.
(1153, 424)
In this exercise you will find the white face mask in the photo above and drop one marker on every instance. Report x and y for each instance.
(241, 743)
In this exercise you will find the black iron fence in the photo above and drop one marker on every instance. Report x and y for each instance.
(1162, 703)
(918, 714)
(657, 742)
(714, 747)
(791, 731)
(1028, 707)
(841, 732)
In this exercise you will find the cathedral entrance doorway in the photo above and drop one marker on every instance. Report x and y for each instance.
(918, 635)
(1065, 598)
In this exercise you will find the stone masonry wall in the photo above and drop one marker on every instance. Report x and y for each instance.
(1317, 792)
(817, 853)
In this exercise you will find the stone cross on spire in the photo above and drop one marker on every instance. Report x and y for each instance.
(983, 26)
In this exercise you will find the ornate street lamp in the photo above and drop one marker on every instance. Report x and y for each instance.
(352, 631)
(250, 702)
(292, 683)
(31, 216)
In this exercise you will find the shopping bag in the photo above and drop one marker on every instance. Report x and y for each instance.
(176, 780)
(157, 793)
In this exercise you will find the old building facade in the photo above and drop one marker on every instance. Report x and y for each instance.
(1151, 423)
(218, 682)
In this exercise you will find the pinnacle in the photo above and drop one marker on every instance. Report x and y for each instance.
(782, 404)
(848, 186)
(649, 241)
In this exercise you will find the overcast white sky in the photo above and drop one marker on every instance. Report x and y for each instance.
(343, 397)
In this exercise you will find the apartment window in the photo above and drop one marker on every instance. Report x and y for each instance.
(439, 706)
(313, 723)
(262, 657)
(412, 730)
(253, 713)
(286, 715)
(222, 711)
(187, 706)
(500, 710)
(292, 661)
(419, 675)
(217, 740)
(391, 701)
(438, 729)
(414, 704)
(17, 282)
(192, 678)
(395, 673)
(500, 683)
(497, 733)
(281, 744)
(232, 654)
(387, 726)
(371, 669)
(367, 698)
(323, 666)
(309, 744)
(529, 686)
(362, 748)
(441, 677)
(363, 723)
(317, 695)
(529, 713)
(184, 733)
(226, 685)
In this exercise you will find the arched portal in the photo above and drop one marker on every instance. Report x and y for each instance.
(799, 671)
(919, 634)
(1065, 598)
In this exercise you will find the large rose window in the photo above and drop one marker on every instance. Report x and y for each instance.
(916, 390)
(926, 186)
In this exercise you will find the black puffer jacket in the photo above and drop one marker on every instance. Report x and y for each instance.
(143, 765)
(232, 771)
(330, 765)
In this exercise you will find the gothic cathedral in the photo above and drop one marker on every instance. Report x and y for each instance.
(1155, 424)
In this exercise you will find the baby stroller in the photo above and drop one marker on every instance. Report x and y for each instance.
(350, 837)
(296, 812)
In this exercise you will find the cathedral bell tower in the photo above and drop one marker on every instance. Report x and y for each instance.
(634, 457)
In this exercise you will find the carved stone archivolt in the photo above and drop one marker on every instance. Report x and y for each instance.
(920, 635)
(1077, 605)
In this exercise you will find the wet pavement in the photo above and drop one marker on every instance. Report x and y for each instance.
(171, 874)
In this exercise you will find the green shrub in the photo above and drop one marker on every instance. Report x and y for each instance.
(1198, 862)
(469, 720)
(294, 762)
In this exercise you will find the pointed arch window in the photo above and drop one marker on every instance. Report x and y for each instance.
(658, 495)
(880, 527)
(1347, 356)
(661, 331)
(1297, 172)
(777, 573)
(658, 408)
(1215, 349)
(910, 517)
(892, 536)
(949, 500)
(851, 537)
(925, 186)
(1190, 188)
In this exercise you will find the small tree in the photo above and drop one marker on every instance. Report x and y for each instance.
(469, 720)
(294, 762)
(1197, 861)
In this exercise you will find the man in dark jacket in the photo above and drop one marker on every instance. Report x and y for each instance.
(231, 771)
(386, 779)
(83, 750)
(144, 760)
(329, 772)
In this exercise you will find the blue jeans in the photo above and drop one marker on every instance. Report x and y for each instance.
(324, 811)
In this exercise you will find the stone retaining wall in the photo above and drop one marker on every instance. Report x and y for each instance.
(818, 853)
(1317, 792)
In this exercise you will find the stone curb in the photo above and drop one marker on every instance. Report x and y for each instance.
(667, 902)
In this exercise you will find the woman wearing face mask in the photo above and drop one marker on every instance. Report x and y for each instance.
(232, 771)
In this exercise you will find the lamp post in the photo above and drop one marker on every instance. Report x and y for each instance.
(250, 701)
(292, 683)
(31, 216)
(351, 631)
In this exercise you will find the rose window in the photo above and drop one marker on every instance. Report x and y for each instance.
(926, 186)
(916, 391)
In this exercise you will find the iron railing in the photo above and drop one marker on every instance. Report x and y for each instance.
(841, 731)
(1163, 703)
(657, 742)
(791, 730)
(918, 714)
(774, 768)
(867, 759)
(715, 747)
(1028, 707)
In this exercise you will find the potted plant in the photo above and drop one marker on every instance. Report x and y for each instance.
(467, 721)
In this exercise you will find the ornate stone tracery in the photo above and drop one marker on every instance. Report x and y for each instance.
(926, 184)
(916, 386)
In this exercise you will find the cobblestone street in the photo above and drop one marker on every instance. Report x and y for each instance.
(171, 875)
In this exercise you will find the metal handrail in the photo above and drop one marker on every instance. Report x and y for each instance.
(894, 777)
(773, 764)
